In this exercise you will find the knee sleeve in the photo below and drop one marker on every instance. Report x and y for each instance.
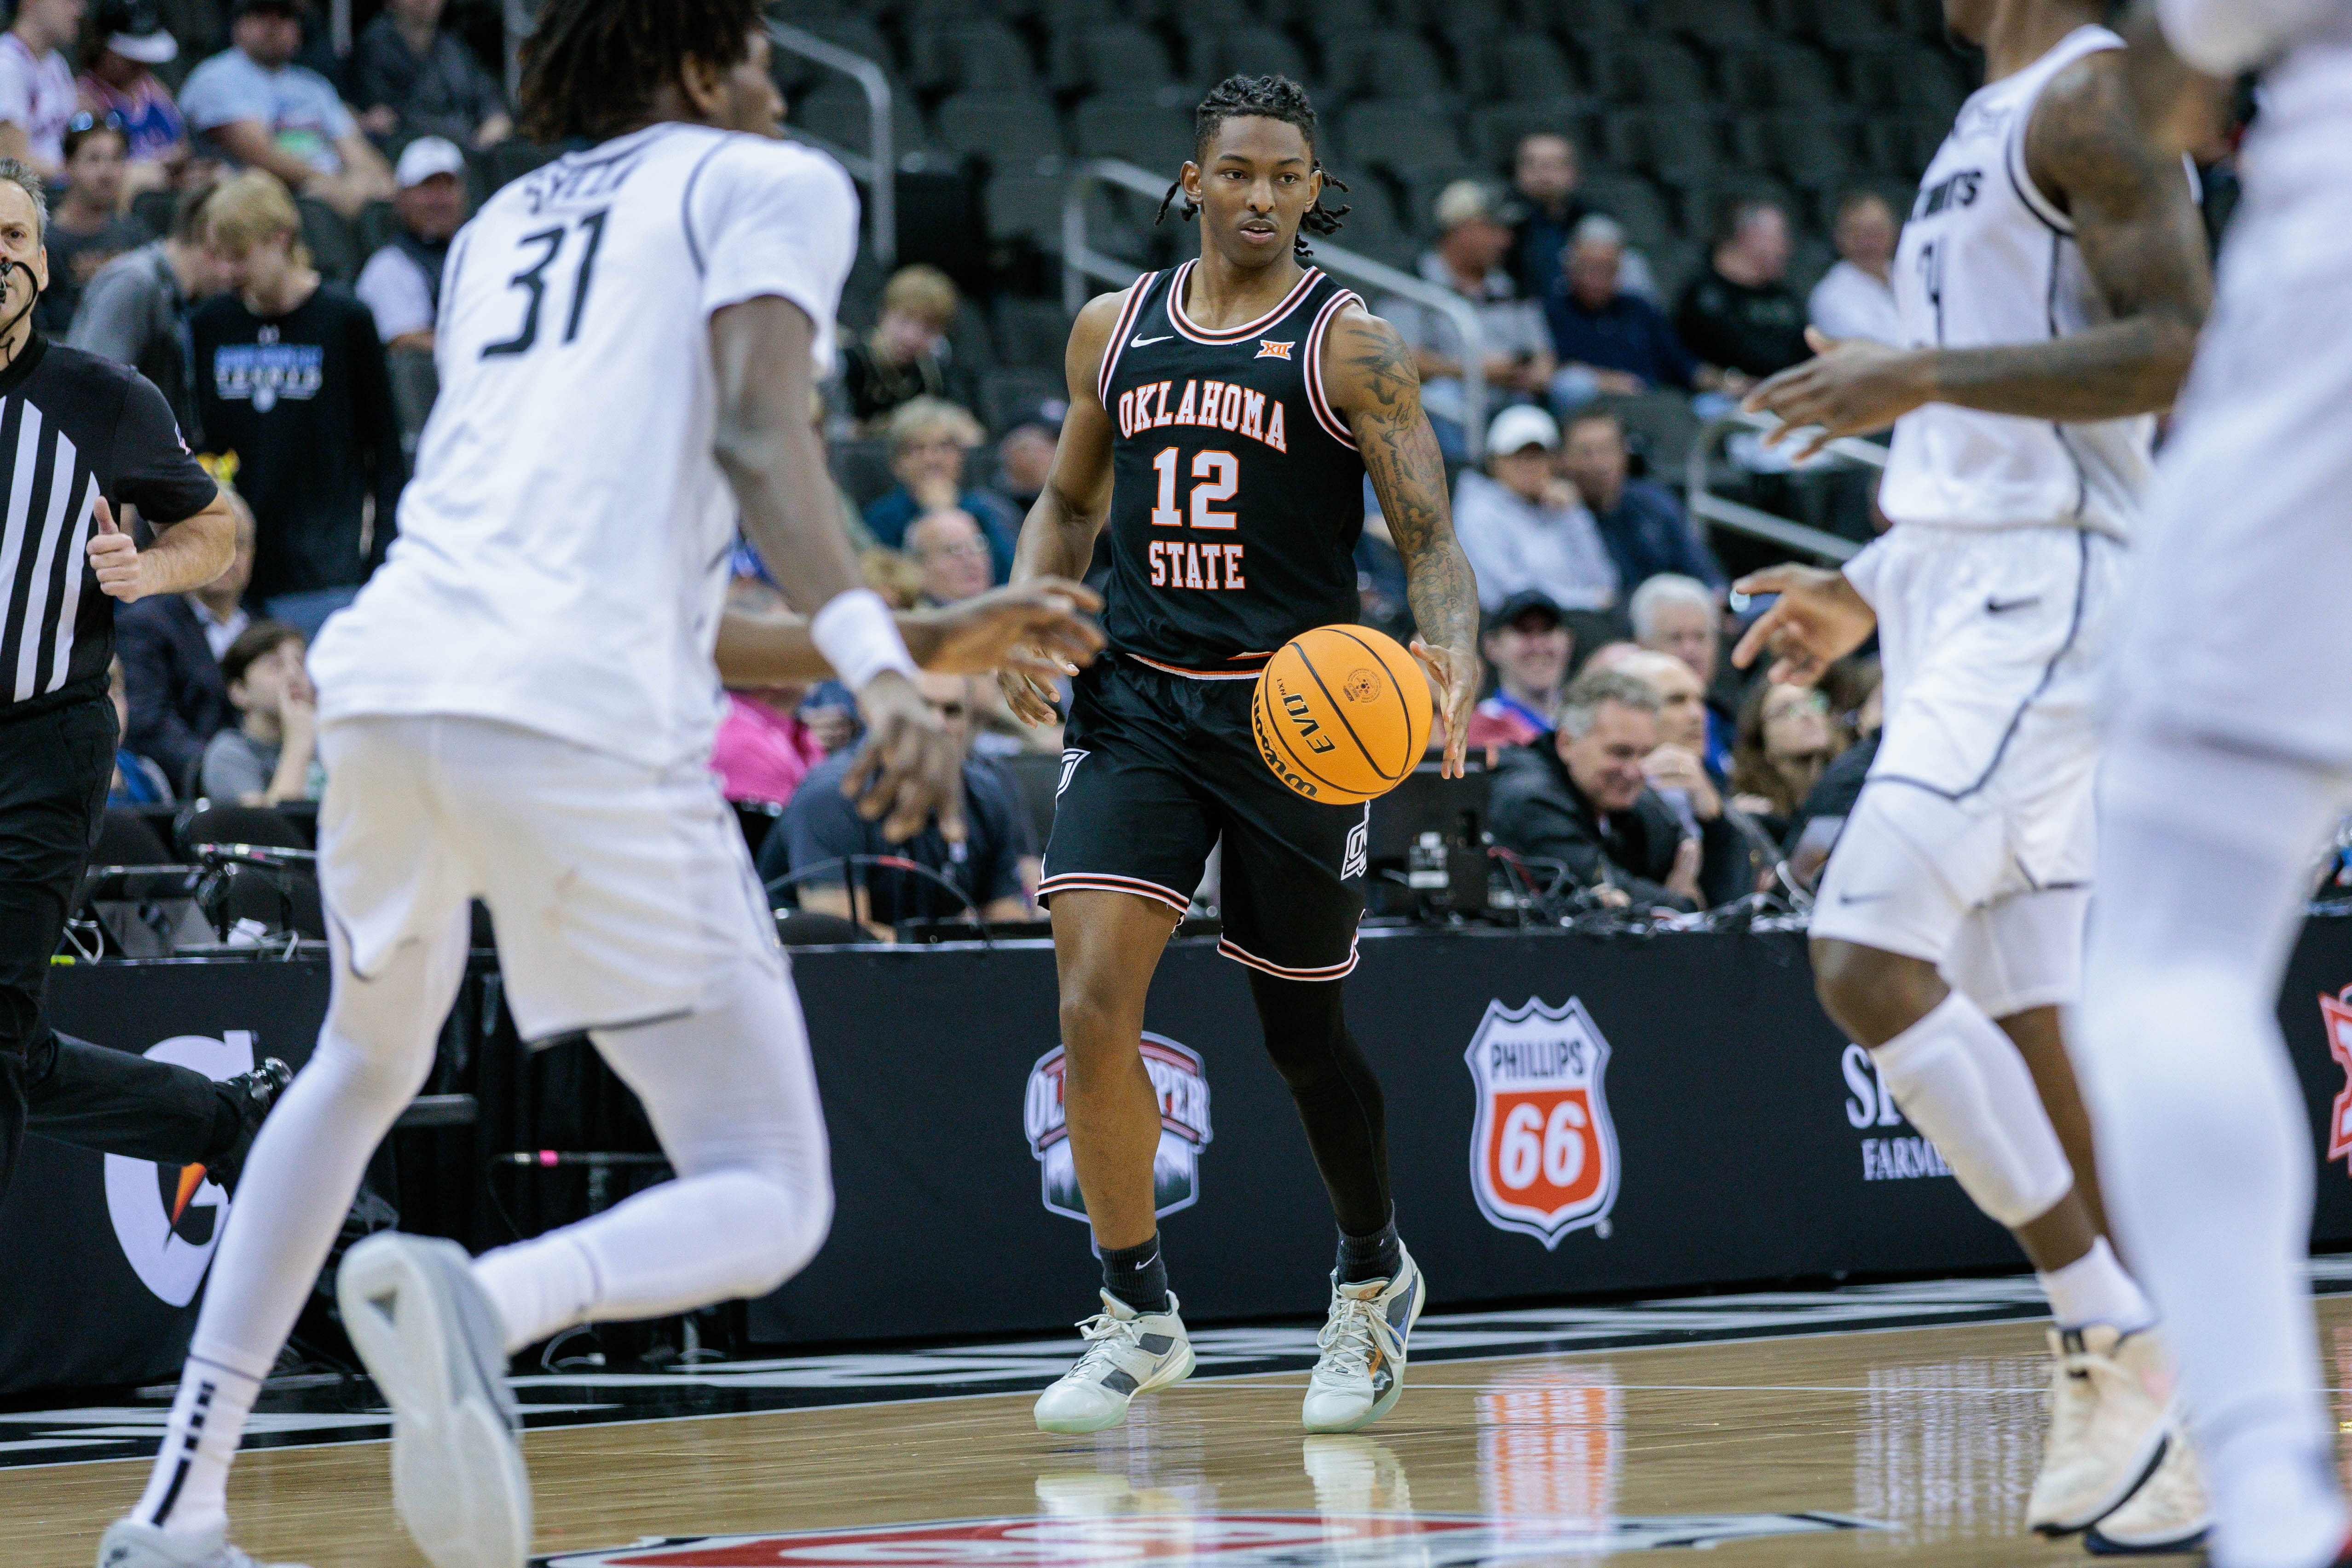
(1962, 1082)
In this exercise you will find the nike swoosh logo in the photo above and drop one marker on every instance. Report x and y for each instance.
(2002, 606)
(1864, 898)
(1146, 342)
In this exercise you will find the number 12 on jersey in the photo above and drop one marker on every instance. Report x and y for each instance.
(1216, 477)
(532, 281)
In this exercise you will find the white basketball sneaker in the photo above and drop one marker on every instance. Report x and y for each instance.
(432, 1342)
(1127, 1352)
(2110, 1407)
(2170, 1512)
(129, 1543)
(1360, 1373)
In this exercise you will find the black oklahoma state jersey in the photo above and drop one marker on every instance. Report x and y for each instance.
(1236, 490)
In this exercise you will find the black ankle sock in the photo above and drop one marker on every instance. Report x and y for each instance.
(1137, 1275)
(1375, 1257)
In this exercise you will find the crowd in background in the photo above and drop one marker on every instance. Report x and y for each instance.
(187, 194)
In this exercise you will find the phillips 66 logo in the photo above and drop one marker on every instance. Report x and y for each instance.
(1543, 1154)
(1184, 1093)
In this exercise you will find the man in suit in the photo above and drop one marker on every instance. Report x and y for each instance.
(170, 645)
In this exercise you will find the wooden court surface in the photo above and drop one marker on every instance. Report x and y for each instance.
(1929, 1435)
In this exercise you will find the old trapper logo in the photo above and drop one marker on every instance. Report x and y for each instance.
(1183, 1092)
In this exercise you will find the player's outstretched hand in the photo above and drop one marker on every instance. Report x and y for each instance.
(1852, 387)
(1456, 673)
(1035, 627)
(1817, 620)
(113, 557)
(910, 769)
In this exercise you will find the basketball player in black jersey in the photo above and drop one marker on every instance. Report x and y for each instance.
(1223, 418)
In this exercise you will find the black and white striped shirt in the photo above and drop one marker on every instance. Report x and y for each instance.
(74, 426)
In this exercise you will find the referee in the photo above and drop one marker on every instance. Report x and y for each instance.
(81, 436)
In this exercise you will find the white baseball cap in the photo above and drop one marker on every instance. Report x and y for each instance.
(425, 157)
(1522, 426)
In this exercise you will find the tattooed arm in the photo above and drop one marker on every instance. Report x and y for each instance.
(2142, 243)
(1058, 538)
(1375, 386)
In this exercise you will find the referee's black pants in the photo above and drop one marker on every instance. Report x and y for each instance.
(54, 770)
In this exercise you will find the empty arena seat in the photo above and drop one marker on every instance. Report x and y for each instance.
(1002, 130)
(1675, 145)
(1851, 24)
(334, 247)
(1711, 22)
(1110, 57)
(1648, 70)
(1917, 81)
(125, 837)
(1529, 67)
(1808, 151)
(1154, 135)
(415, 384)
(1026, 203)
(1399, 135)
(1011, 394)
(1253, 51)
(838, 114)
(1782, 76)
(1423, 186)
(1658, 424)
(1033, 332)
(974, 56)
(1371, 225)
(1633, 202)
(1584, 22)
(1495, 128)
(858, 35)
(1705, 199)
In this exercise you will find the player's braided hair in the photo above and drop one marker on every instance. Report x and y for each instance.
(589, 67)
(1269, 98)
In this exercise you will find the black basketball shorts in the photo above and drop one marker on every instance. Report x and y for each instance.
(1155, 770)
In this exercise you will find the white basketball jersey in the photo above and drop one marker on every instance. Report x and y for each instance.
(1986, 261)
(563, 547)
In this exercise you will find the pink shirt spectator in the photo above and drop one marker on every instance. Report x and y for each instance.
(761, 755)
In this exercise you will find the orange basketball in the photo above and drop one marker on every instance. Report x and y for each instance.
(1342, 714)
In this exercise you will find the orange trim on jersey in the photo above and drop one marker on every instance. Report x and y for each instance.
(1103, 882)
(1202, 674)
(1127, 314)
(1329, 971)
(1325, 415)
(1224, 335)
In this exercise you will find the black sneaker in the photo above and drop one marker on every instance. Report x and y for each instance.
(257, 1090)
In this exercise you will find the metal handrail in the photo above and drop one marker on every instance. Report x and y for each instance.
(1757, 523)
(878, 166)
(1081, 261)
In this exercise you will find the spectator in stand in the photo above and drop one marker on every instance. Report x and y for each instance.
(900, 360)
(137, 780)
(291, 376)
(1544, 176)
(135, 310)
(1522, 528)
(1737, 312)
(87, 227)
(823, 825)
(763, 750)
(411, 79)
(928, 439)
(1678, 772)
(118, 79)
(952, 552)
(1855, 298)
(170, 645)
(1583, 801)
(1609, 340)
(37, 84)
(1468, 260)
(401, 284)
(1785, 741)
(1642, 525)
(1024, 459)
(1528, 645)
(271, 754)
(263, 111)
(1681, 616)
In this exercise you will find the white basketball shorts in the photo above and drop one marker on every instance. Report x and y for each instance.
(2237, 632)
(619, 893)
(1971, 845)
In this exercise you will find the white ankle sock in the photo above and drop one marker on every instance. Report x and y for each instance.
(537, 1287)
(188, 1489)
(2093, 1289)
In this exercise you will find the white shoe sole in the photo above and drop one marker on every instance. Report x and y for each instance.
(1174, 1373)
(2130, 1479)
(457, 1479)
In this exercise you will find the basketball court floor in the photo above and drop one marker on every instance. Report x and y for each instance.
(1872, 1425)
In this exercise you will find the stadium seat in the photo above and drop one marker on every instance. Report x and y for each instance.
(862, 469)
(1584, 22)
(1031, 332)
(1901, 145)
(1660, 425)
(1404, 66)
(1648, 70)
(334, 247)
(1026, 203)
(1001, 131)
(1811, 153)
(1705, 199)
(1850, 24)
(495, 167)
(1397, 135)
(838, 114)
(1672, 266)
(976, 56)
(1496, 128)
(1154, 135)
(1781, 76)
(797, 73)
(1907, 82)
(1633, 202)
(1714, 23)
(1253, 51)
(1114, 57)
(125, 837)
(1676, 146)
(415, 384)
(1529, 68)
(1423, 185)
(1012, 394)
(1370, 227)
